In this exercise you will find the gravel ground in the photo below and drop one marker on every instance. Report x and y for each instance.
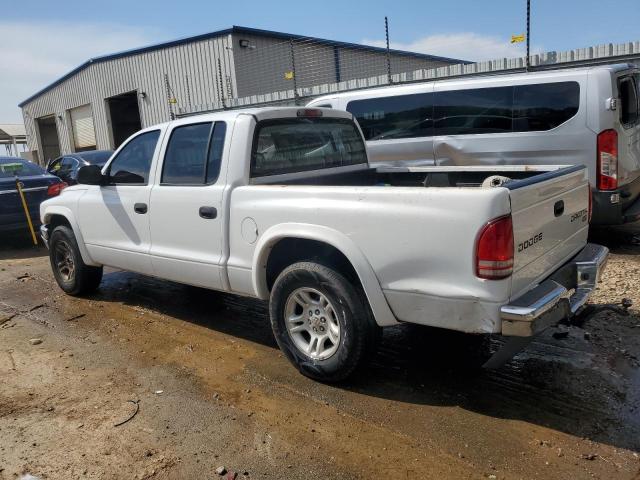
(207, 387)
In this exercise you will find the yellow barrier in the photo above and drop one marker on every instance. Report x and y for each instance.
(26, 211)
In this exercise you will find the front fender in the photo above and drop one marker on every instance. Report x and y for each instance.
(48, 211)
(381, 311)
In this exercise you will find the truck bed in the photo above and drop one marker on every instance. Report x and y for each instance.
(430, 176)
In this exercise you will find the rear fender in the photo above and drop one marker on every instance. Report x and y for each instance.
(381, 311)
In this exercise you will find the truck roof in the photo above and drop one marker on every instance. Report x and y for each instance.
(262, 113)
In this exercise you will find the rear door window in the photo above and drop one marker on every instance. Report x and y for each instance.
(481, 110)
(401, 116)
(628, 93)
(193, 154)
(544, 106)
(301, 144)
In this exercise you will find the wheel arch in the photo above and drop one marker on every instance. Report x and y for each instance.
(58, 215)
(332, 239)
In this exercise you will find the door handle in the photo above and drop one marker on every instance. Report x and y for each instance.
(208, 212)
(140, 208)
(558, 208)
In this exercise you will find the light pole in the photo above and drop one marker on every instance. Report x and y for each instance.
(528, 32)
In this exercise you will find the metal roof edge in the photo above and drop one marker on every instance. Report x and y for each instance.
(217, 33)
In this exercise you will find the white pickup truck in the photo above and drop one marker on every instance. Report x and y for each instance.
(281, 204)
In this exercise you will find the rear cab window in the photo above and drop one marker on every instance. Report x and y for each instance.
(291, 145)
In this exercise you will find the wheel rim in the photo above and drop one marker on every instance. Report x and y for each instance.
(312, 323)
(63, 259)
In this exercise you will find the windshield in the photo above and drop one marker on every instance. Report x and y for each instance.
(10, 167)
(98, 157)
(302, 144)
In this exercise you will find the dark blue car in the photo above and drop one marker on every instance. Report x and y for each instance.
(37, 186)
(67, 166)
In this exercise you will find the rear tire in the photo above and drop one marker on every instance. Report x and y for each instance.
(321, 321)
(71, 273)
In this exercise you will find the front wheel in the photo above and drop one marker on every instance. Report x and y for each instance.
(71, 273)
(321, 321)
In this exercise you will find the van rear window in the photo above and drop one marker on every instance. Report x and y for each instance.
(628, 93)
(302, 144)
(544, 106)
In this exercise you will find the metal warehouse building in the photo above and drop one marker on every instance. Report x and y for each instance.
(106, 99)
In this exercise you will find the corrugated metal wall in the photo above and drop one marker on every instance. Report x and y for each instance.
(191, 69)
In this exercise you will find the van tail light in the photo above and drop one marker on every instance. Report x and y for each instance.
(494, 249)
(607, 162)
(55, 189)
(590, 202)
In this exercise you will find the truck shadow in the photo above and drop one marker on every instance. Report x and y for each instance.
(584, 385)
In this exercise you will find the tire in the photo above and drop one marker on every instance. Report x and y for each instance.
(326, 301)
(71, 273)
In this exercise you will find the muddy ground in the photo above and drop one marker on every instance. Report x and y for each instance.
(211, 389)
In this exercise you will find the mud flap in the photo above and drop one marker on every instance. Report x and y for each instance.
(510, 349)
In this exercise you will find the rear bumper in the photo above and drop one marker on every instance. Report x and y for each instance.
(617, 207)
(558, 297)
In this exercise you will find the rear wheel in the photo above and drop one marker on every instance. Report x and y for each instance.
(71, 273)
(321, 321)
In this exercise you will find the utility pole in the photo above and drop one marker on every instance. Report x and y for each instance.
(386, 34)
(528, 61)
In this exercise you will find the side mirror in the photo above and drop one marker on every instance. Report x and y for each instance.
(91, 175)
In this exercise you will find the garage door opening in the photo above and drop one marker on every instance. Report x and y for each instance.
(125, 116)
(49, 138)
(82, 128)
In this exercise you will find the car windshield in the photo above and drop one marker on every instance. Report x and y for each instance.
(98, 157)
(11, 167)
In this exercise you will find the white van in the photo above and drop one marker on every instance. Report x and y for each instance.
(574, 116)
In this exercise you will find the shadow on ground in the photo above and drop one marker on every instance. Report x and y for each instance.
(20, 246)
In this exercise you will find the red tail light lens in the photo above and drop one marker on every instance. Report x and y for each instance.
(55, 189)
(494, 249)
(309, 112)
(607, 168)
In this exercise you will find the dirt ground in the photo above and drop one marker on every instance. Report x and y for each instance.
(211, 389)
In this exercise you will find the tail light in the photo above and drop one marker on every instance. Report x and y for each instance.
(494, 249)
(607, 162)
(309, 112)
(55, 189)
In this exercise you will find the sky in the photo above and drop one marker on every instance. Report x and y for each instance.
(42, 40)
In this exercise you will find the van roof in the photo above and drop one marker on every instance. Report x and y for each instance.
(480, 77)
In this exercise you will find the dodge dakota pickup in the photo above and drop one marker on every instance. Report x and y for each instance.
(281, 204)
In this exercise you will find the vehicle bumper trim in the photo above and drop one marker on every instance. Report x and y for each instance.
(44, 234)
(560, 296)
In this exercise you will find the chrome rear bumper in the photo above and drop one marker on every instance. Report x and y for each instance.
(558, 297)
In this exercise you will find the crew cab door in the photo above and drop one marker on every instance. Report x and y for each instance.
(114, 218)
(186, 205)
